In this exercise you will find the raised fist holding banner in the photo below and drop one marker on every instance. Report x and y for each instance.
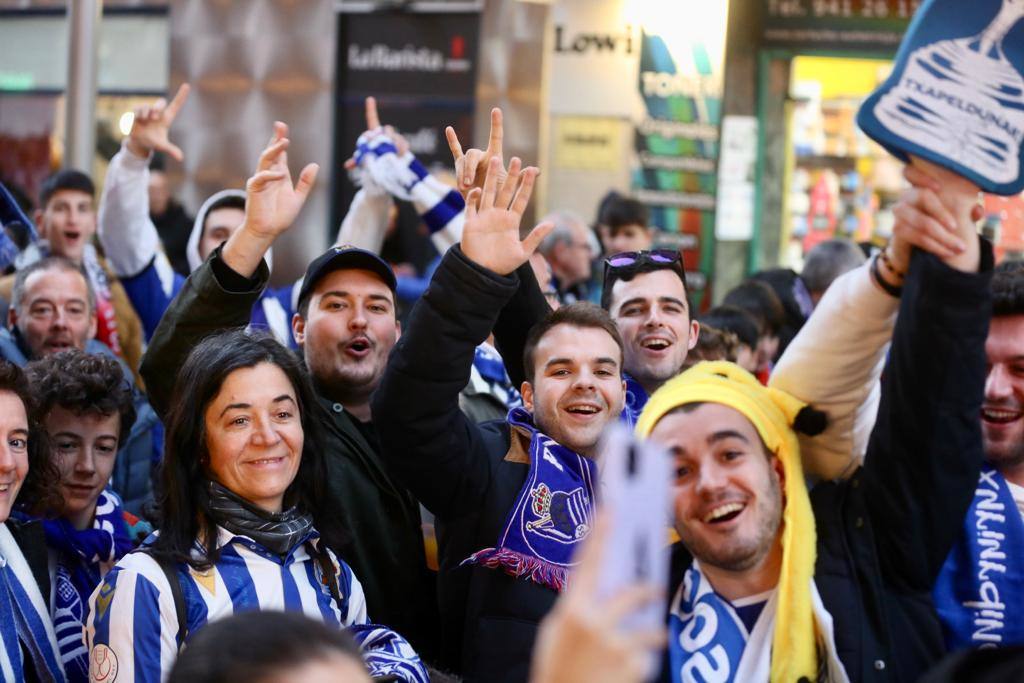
(956, 94)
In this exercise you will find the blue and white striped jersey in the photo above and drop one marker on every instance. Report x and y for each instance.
(132, 628)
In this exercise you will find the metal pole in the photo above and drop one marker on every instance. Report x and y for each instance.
(83, 48)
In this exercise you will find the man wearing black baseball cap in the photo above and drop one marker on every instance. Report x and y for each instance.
(345, 327)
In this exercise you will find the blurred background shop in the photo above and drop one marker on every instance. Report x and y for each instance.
(733, 121)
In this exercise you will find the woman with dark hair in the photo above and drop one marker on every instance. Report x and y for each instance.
(28, 645)
(87, 410)
(244, 520)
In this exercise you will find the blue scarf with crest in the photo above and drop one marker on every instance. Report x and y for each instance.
(552, 513)
(636, 399)
(981, 585)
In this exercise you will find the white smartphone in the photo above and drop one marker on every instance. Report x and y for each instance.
(635, 480)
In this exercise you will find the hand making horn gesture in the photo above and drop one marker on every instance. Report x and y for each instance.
(490, 237)
(473, 165)
(152, 124)
(272, 203)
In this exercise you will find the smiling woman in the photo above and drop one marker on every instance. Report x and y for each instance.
(28, 646)
(245, 521)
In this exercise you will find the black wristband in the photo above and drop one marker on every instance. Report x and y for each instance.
(891, 290)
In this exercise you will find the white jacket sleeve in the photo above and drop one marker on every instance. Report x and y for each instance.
(834, 364)
(127, 233)
(366, 221)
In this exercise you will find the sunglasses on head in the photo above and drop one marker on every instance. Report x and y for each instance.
(632, 258)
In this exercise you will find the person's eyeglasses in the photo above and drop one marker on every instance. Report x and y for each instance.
(631, 258)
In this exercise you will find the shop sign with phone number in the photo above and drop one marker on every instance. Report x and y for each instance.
(843, 25)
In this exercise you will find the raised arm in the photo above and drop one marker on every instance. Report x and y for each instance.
(925, 452)
(129, 238)
(384, 163)
(528, 305)
(221, 292)
(836, 360)
(436, 451)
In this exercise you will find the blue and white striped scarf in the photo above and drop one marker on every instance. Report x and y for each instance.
(24, 619)
(406, 178)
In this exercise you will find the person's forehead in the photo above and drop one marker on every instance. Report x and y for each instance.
(579, 343)
(1005, 338)
(225, 217)
(629, 227)
(60, 417)
(264, 381)
(693, 426)
(352, 281)
(69, 196)
(56, 283)
(12, 411)
(649, 286)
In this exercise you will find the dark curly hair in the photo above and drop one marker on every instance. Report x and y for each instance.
(184, 503)
(83, 383)
(40, 490)
(1008, 289)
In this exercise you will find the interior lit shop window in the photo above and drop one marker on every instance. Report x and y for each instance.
(133, 68)
(839, 183)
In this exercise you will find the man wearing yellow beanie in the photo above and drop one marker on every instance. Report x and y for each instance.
(773, 583)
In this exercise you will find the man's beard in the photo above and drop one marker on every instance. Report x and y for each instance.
(1004, 456)
(739, 558)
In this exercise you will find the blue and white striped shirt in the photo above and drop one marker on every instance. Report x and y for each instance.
(132, 628)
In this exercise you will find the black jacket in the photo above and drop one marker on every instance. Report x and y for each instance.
(468, 475)
(382, 519)
(884, 534)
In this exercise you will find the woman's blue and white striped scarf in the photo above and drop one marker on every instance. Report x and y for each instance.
(24, 619)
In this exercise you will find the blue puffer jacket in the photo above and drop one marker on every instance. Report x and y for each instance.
(140, 454)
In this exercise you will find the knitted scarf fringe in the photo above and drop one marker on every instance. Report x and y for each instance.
(521, 566)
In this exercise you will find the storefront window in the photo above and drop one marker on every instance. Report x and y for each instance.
(839, 183)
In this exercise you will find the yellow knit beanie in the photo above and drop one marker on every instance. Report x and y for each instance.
(772, 412)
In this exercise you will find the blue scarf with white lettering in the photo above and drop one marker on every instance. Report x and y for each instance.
(636, 399)
(706, 636)
(981, 585)
(551, 515)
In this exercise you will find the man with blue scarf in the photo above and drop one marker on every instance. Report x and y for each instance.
(645, 293)
(775, 582)
(512, 498)
(982, 580)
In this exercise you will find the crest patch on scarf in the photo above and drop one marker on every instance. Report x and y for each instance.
(552, 513)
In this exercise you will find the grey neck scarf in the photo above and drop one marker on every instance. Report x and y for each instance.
(277, 532)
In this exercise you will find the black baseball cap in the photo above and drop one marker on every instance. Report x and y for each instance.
(340, 257)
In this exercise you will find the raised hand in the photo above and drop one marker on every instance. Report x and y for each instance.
(373, 129)
(938, 215)
(152, 124)
(271, 202)
(490, 237)
(582, 639)
(471, 167)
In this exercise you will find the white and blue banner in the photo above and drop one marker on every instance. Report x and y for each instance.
(956, 93)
